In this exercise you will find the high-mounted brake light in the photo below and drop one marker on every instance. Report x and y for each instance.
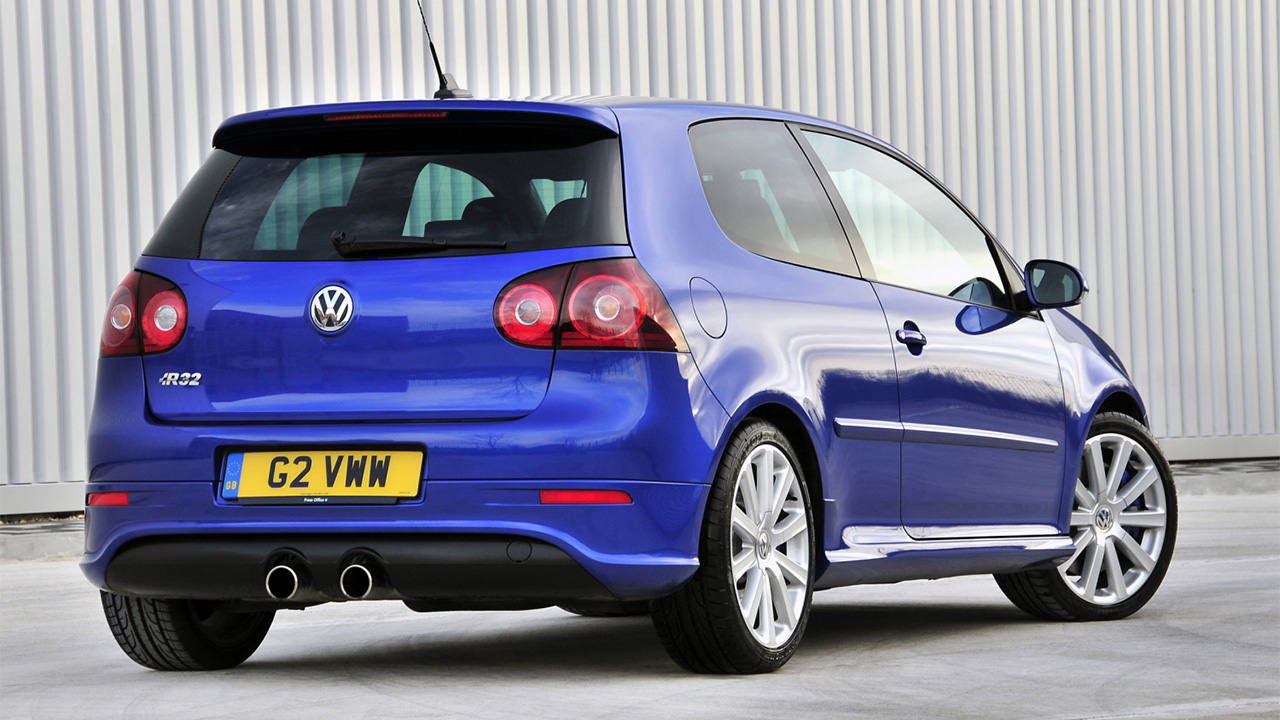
(147, 314)
(605, 304)
(388, 115)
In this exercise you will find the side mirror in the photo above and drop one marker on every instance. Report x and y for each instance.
(1053, 284)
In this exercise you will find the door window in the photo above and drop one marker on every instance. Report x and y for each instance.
(915, 236)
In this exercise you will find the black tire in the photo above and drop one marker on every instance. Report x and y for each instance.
(608, 608)
(184, 634)
(1045, 593)
(701, 625)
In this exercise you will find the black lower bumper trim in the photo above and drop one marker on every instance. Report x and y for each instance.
(414, 567)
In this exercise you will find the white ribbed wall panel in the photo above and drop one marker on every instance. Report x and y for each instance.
(1138, 139)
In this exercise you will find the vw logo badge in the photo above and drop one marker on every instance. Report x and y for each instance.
(331, 309)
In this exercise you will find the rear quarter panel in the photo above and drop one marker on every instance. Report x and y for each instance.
(813, 342)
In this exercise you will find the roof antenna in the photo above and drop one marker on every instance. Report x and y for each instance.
(448, 86)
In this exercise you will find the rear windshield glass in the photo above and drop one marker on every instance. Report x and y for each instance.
(433, 203)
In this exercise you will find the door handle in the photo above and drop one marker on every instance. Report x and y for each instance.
(908, 336)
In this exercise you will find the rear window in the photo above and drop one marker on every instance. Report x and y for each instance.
(543, 193)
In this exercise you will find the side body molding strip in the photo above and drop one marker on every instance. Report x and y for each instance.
(855, 429)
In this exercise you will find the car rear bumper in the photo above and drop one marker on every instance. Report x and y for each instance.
(447, 570)
(640, 550)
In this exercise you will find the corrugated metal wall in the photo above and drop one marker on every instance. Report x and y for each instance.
(1139, 139)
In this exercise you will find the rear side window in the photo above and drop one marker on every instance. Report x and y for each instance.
(473, 197)
(765, 195)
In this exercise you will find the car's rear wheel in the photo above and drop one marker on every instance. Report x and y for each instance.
(184, 634)
(746, 608)
(608, 608)
(1123, 521)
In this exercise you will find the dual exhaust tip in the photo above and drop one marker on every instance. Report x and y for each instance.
(360, 579)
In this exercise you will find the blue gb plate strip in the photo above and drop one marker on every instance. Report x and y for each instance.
(231, 478)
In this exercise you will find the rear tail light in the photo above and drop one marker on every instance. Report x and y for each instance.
(528, 308)
(147, 314)
(604, 304)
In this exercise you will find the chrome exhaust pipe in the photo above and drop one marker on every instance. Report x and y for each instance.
(282, 582)
(356, 582)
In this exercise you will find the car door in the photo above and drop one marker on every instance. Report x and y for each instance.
(980, 393)
(799, 320)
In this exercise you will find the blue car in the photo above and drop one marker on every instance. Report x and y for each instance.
(622, 356)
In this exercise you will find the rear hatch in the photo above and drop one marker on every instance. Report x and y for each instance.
(346, 269)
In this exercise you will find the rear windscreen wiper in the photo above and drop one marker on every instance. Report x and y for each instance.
(357, 245)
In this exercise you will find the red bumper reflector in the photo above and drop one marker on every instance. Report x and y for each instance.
(108, 499)
(585, 497)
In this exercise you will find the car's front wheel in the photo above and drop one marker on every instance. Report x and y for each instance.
(184, 634)
(1123, 521)
(746, 608)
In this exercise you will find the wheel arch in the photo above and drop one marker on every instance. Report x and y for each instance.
(800, 434)
(1122, 402)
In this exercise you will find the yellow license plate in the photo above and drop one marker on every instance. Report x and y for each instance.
(330, 476)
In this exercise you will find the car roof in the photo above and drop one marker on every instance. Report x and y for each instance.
(595, 110)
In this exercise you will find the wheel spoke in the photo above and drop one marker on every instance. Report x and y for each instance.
(1142, 519)
(781, 490)
(764, 484)
(1092, 569)
(1083, 542)
(1135, 552)
(798, 573)
(1081, 518)
(1084, 498)
(1119, 462)
(781, 598)
(766, 619)
(789, 528)
(1115, 576)
(1138, 485)
(743, 562)
(747, 491)
(751, 594)
(1095, 467)
(744, 526)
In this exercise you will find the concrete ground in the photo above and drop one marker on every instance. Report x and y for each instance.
(1208, 646)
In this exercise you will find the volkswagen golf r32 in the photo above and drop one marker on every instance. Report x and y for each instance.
(625, 356)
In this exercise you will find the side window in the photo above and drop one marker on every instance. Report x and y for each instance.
(316, 183)
(440, 193)
(914, 234)
(765, 195)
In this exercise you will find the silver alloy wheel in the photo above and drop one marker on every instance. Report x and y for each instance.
(1118, 521)
(770, 545)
